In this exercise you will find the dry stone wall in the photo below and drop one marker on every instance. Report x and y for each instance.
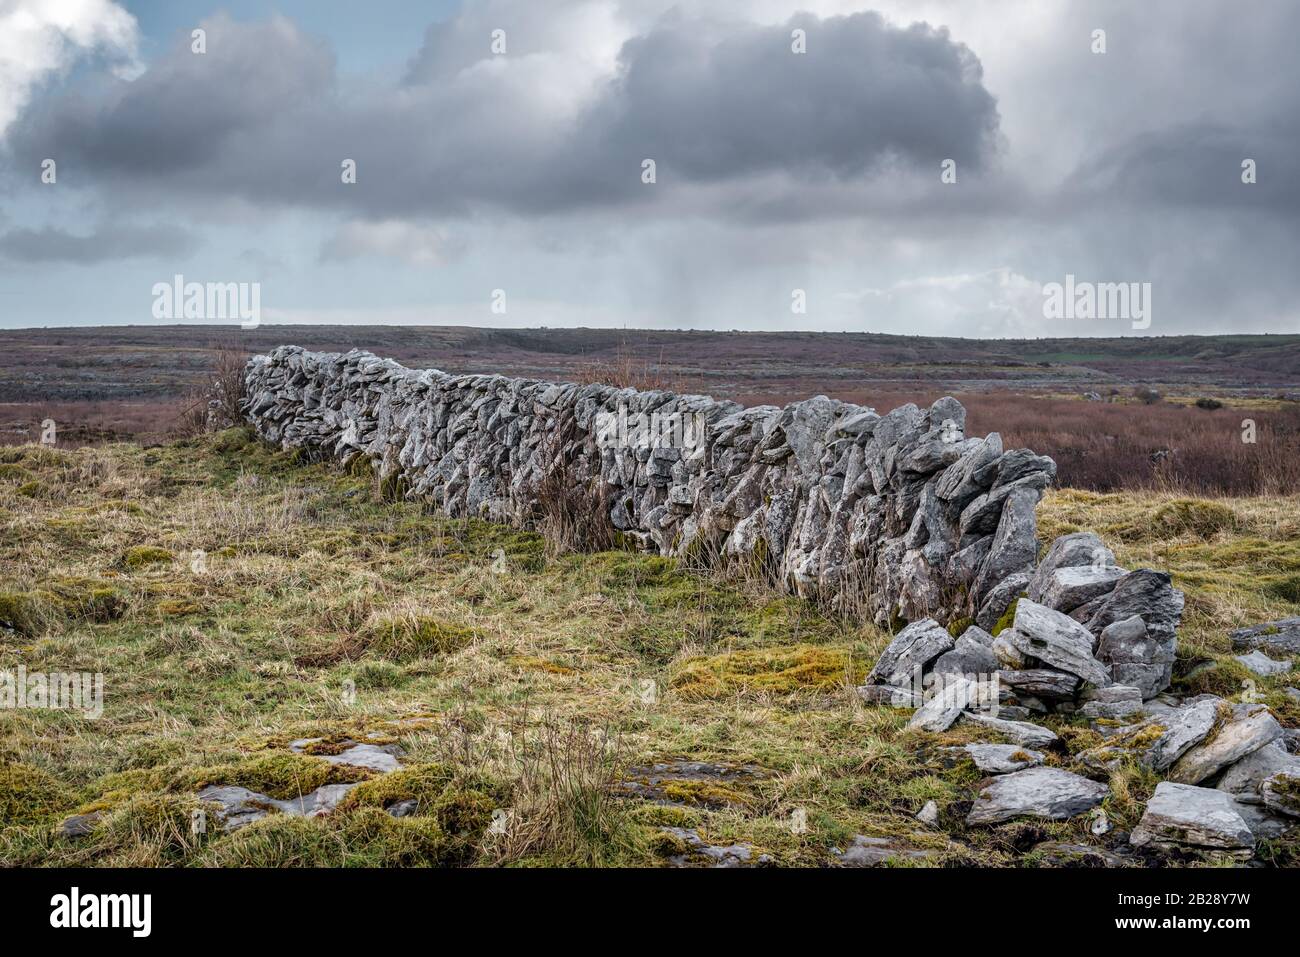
(903, 512)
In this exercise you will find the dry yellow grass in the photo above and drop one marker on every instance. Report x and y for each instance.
(235, 597)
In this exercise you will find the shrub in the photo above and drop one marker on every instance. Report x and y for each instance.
(1207, 403)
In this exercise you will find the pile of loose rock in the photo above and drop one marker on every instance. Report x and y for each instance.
(1093, 640)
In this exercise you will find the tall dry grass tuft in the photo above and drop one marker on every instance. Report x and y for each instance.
(564, 771)
(571, 502)
(217, 402)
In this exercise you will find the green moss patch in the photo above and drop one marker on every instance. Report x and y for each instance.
(29, 795)
(771, 670)
(142, 556)
(281, 776)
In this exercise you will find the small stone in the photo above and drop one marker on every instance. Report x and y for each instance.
(80, 825)
(1185, 815)
(1262, 665)
(403, 808)
(929, 814)
(1041, 683)
(1112, 702)
(1048, 793)
(1281, 792)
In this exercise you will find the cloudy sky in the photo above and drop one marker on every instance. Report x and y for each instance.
(480, 170)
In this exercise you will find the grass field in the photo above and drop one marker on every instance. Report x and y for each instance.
(513, 678)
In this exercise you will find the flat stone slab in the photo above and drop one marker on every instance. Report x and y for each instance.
(240, 807)
(1248, 728)
(944, 707)
(1056, 640)
(1280, 637)
(1262, 665)
(1048, 793)
(1041, 683)
(1002, 758)
(1183, 815)
(374, 757)
(881, 852)
(653, 782)
(1063, 854)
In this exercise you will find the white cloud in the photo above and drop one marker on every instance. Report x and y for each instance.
(39, 38)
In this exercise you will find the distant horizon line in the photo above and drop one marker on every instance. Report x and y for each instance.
(235, 329)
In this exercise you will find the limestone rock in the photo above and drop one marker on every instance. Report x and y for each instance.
(969, 655)
(1078, 549)
(1280, 637)
(911, 650)
(944, 707)
(1262, 665)
(1048, 793)
(1002, 758)
(1057, 640)
(1184, 815)
(1022, 732)
(1135, 657)
(1245, 728)
(1244, 779)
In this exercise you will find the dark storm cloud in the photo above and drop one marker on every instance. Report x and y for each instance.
(50, 245)
(1197, 165)
(258, 116)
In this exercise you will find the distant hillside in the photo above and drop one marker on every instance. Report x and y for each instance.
(124, 362)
